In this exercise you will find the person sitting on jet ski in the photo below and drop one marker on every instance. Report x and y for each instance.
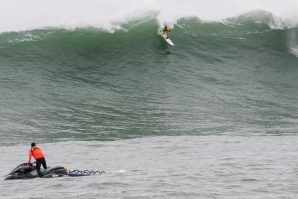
(36, 152)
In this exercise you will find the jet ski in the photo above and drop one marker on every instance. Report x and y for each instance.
(28, 171)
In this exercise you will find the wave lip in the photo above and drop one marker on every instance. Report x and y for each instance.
(110, 15)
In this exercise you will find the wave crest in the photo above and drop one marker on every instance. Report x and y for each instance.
(111, 15)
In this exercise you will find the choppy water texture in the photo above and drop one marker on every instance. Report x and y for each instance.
(213, 117)
(166, 167)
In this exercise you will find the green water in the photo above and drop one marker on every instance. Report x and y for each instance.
(88, 84)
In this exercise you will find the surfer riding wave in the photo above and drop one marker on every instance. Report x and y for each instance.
(166, 30)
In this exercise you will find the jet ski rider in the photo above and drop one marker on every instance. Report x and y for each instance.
(166, 31)
(36, 152)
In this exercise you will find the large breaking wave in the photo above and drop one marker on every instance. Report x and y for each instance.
(111, 15)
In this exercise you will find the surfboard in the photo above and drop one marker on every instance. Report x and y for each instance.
(167, 39)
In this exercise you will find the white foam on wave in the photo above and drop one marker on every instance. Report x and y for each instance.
(18, 15)
(293, 42)
(294, 51)
(120, 171)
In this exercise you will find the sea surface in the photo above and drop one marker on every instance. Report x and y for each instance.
(215, 116)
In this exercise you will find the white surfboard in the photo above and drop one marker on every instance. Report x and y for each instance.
(167, 39)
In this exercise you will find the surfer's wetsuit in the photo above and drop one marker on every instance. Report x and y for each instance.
(166, 30)
(39, 157)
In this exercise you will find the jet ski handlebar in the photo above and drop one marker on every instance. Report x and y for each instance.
(30, 164)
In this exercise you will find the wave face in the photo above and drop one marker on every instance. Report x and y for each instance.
(237, 77)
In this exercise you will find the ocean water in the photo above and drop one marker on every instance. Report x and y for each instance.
(215, 116)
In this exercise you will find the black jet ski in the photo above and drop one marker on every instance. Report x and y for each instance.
(28, 171)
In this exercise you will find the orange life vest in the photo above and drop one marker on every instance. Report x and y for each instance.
(36, 153)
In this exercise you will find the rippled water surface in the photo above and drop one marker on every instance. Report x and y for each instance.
(165, 167)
